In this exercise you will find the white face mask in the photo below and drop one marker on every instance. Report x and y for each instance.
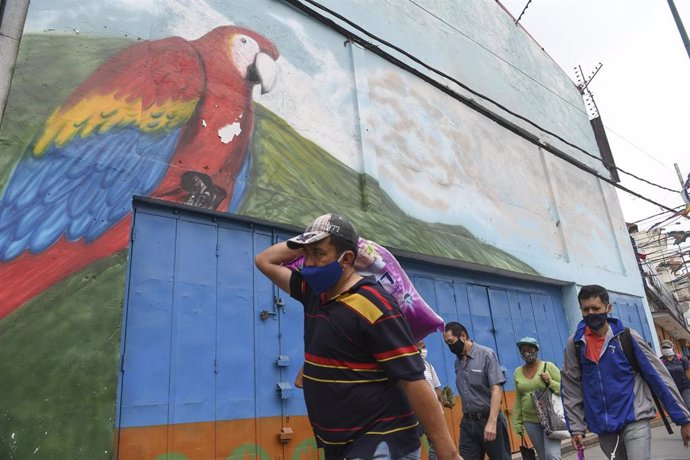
(423, 352)
(667, 351)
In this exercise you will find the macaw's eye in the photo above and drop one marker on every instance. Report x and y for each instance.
(243, 40)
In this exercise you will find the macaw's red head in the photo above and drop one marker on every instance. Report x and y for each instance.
(252, 55)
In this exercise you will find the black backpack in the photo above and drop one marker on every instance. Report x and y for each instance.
(625, 339)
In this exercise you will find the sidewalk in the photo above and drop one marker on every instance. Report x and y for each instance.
(664, 446)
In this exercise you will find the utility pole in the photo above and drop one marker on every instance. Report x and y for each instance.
(679, 24)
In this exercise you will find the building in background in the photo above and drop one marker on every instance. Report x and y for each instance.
(662, 259)
(150, 149)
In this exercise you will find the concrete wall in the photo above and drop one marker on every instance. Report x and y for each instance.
(282, 121)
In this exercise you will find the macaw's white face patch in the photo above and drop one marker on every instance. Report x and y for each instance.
(228, 132)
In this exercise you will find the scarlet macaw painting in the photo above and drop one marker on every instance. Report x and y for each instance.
(169, 118)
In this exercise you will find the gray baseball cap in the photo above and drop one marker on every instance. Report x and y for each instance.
(322, 227)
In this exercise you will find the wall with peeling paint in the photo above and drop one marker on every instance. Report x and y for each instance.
(255, 109)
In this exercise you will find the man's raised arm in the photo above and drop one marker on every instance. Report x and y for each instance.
(270, 261)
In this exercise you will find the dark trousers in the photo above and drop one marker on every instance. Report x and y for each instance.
(472, 444)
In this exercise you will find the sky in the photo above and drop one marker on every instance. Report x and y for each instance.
(642, 90)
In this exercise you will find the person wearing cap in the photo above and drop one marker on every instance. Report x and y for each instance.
(363, 376)
(603, 392)
(480, 379)
(679, 368)
(533, 376)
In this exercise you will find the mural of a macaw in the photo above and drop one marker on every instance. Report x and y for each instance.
(170, 118)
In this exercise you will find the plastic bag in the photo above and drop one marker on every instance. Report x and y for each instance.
(549, 410)
(375, 260)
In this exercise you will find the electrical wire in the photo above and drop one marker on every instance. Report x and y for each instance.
(677, 208)
(298, 4)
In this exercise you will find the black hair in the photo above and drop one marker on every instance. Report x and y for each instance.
(593, 290)
(457, 329)
(342, 245)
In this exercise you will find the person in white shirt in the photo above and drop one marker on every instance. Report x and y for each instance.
(432, 379)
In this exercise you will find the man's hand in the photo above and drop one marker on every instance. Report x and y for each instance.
(490, 430)
(577, 441)
(685, 434)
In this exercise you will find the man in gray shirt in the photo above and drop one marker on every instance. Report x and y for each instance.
(479, 378)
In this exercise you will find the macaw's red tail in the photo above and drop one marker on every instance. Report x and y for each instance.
(30, 274)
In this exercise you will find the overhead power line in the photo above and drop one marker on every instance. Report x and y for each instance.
(676, 209)
(374, 48)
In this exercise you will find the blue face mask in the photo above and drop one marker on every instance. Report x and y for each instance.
(321, 279)
(595, 320)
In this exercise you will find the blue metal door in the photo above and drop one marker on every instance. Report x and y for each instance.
(200, 340)
(496, 311)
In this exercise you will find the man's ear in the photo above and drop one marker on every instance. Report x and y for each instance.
(348, 258)
(609, 308)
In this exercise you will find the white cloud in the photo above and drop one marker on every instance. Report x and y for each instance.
(191, 20)
(319, 106)
(443, 162)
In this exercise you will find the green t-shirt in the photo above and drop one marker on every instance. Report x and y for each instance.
(523, 410)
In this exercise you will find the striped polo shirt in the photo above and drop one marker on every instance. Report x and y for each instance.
(357, 345)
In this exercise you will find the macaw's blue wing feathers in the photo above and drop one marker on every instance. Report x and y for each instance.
(80, 189)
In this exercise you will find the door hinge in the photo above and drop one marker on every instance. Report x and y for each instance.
(215, 366)
(122, 365)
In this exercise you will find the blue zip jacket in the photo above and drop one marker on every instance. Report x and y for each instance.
(607, 395)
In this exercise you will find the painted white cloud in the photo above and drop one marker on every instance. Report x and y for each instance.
(320, 106)
(191, 20)
(443, 162)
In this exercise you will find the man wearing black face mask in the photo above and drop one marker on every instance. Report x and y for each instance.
(603, 391)
(363, 376)
(480, 379)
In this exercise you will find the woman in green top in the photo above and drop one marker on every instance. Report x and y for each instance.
(533, 376)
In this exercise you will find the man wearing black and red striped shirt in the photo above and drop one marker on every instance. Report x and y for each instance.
(363, 376)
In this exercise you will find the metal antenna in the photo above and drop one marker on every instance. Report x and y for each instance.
(583, 86)
(523, 12)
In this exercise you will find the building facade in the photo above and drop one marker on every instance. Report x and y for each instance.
(151, 148)
(661, 257)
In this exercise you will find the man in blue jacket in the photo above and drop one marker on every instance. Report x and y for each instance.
(603, 392)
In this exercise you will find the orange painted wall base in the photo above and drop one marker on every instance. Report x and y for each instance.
(247, 439)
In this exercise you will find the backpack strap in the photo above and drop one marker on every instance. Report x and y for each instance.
(578, 353)
(626, 343)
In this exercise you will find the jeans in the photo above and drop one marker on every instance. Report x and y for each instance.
(547, 448)
(634, 442)
(382, 452)
(473, 446)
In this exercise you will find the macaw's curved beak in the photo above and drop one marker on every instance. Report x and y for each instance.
(263, 71)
